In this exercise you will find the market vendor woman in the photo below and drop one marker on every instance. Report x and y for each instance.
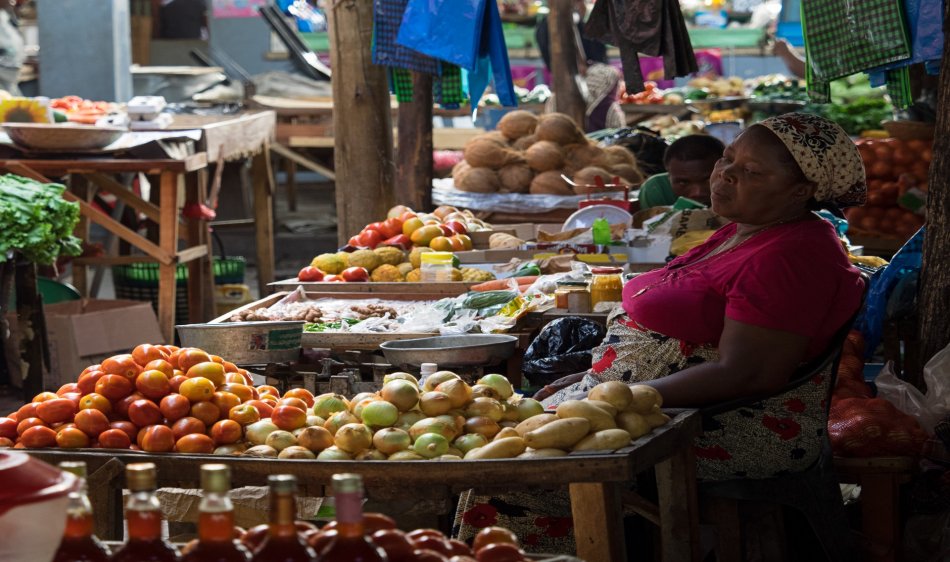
(736, 316)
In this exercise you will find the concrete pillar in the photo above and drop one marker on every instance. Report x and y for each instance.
(85, 49)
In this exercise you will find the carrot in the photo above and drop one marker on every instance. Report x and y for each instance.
(502, 284)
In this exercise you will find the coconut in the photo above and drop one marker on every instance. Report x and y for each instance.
(543, 156)
(479, 180)
(630, 174)
(618, 155)
(515, 178)
(459, 171)
(487, 151)
(586, 179)
(559, 128)
(581, 155)
(550, 183)
(497, 136)
(524, 142)
(517, 124)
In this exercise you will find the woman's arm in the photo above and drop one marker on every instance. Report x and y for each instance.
(753, 361)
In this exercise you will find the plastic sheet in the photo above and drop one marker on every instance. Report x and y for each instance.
(563, 347)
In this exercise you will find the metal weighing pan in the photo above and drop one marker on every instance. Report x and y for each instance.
(246, 343)
(469, 350)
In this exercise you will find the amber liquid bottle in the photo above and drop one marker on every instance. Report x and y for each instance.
(79, 543)
(351, 543)
(282, 544)
(216, 520)
(143, 519)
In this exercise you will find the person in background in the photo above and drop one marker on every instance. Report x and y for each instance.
(183, 19)
(11, 48)
(789, 55)
(689, 162)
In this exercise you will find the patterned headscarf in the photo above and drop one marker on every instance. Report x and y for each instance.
(826, 155)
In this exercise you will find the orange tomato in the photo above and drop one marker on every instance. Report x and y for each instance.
(44, 396)
(499, 552)
(302, 394)
(114, 439)
(114, 387)
(66, 388)
(91, 422)
(268, 389)
(153, 384)
(160, 365)
(8, 428)
(244, 414)
(121, 407)
(190, 356)
(225, 432)
(187, 426)
(262, 407)
(230, 367)
(288, 418)
(87, 381)
(206, 412)
(294, 402)
(27, 423)
(174, 407)
(242, 391)
(38, 437)
(95, 401)
(196, 443)
(72, 438)
(123, 365)
(127, 427)
(210, 370)
(156, 439)
(175, 381)
(55, 411)
(146, 353)
(144, 412)
(225, 400)
(456, 243)
(197, 389)
(6, 443)
(493, 535)
(26, 411)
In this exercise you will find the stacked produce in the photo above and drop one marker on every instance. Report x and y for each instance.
(162, 399)
(897, 182)
(391, 250)
(529, 154)
(37, 221)
(697, 89)
(79, 110)
(862, 426)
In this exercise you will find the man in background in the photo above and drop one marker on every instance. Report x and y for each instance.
(689, 162)
(11, 48)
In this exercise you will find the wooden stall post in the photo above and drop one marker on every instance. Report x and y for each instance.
(564, 70)
(935, 269)
(414, 152)
(32, 328)
(362, 124)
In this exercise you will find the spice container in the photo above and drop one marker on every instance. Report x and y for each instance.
(436, 267)
(606, 285)
(572, 296)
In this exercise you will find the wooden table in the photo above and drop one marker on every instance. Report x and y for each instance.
(229, 138)
(595, 481)
(85, 174)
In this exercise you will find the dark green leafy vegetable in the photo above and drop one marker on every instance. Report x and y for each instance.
(37, 221)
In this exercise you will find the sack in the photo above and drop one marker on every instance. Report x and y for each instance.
(563, 347)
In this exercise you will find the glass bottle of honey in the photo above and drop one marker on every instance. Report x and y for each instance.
(351, 543)
(216, 520)
(79, 542)
(282, 544)
(143, 519)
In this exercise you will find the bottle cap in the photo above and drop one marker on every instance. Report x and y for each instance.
(606, 270)
(438, 258)
(282, 483)
(343, 483)
(74, 467)
(140, 476)
(216, 478)
(428, 368)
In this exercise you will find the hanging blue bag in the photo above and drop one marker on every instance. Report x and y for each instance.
(450, 30)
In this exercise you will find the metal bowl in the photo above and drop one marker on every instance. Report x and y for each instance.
(38, 136)
(469, 350)
(246, 343)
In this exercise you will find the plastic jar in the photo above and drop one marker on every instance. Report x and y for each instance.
(436, 267)
(572, 296)
(606, 285)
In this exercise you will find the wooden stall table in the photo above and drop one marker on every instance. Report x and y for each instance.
(595, 481)
(229, 138)
(172, 173)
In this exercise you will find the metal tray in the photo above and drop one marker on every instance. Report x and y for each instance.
(246, 343)
(468, 350)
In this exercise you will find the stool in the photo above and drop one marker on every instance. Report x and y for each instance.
(880, 479)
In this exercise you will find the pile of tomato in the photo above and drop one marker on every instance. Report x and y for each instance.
(650, 94)
(79, 110)
(893, 167)
(157, 398)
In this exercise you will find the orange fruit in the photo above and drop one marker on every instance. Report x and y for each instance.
(94, 401)
(174, 407)
(187, 426)
(195, 443)
(160, 365)
(242, 391)
(91, 422)
(206, 412)
(196, 389)
(114, 439)
(190, 356)
(302, 394)
(226, 432)
(114, 387)
(87, 381)
(71, 438)
(44, 396)
(225, 400)
(38, 437)
(230, 367)
(124, 365)
(146, 353)
(153, 384)
(210, 370)
(156, 439)
(410, 225)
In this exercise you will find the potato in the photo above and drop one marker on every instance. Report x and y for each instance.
(614, 392)
(644, 398)
(506, 448)
(599, 419)
(656, 419)
(542, 453)
(505, 433)
(605, 406)
(534, 422)
(558, 434)
(604, 440)
(635, 424)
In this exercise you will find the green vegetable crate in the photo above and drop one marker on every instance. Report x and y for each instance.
(139, 281)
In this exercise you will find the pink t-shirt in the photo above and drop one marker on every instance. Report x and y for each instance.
(793, 277)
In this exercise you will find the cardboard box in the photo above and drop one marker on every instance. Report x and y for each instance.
(82, 333)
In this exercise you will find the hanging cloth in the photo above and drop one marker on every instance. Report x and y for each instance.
(466, 33)
(925, 24)
(387, 16)
(651, 27)
(843, 37)
(446, 89)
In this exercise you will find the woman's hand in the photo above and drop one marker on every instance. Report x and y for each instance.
(557, 385)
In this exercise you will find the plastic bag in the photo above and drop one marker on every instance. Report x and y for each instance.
(906, 397)
(444, 29)
(937, 379)
(563, 347)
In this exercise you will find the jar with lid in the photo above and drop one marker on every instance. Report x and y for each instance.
(572, 296)
(606, 285)
(436, 267)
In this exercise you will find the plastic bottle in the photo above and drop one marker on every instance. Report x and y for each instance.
(601, 231)
(436, 267)
(425, 370)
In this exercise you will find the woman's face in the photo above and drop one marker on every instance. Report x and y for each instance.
(756, 182)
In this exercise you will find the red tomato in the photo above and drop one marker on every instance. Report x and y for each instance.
(114, 439)
(8, 428)
(55, 411)
(174, 407)
(352, 274)
(92, 422)
(38, 437)
(499, 552)
(310, 274)
(370, 238)
(333, 279)
(400, 241)
(156, 439)
(391, 227)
